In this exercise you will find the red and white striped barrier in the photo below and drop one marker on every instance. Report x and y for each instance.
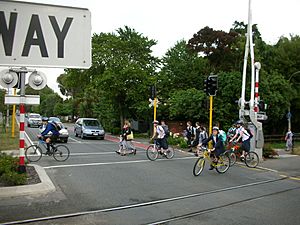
(22, 167)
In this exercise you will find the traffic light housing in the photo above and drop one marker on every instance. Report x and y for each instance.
(152, 92)
(211, 85)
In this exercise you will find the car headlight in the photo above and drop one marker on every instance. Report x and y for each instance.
(84, 130)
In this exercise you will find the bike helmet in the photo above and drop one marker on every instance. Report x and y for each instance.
(45, 119)
(155, 122)
(240, 122)
(216, 128)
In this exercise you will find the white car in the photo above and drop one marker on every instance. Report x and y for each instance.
(34, 120)
(63, 133)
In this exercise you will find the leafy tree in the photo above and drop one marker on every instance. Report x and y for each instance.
(2, 106)
(216, 45)
(48, 100)
(225, 103)
(121, 73)
(188, 104)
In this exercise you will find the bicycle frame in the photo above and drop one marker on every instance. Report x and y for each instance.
(206, 155)
(42, 143)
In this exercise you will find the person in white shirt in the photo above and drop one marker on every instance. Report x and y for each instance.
(242, 133)
(289, 140)
(160, 136)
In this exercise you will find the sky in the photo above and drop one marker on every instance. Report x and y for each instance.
(169, 21)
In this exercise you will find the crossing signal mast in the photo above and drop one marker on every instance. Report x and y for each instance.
(211, 88)
(251, 114)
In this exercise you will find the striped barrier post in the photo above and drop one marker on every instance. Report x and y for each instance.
(22, 167)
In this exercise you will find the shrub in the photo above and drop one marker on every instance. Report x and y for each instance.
(177, 141)
(8, 171)
(268, 151)
(116, 131)
(13, 178)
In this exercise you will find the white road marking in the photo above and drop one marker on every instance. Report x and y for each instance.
(112, 163)
(75, 140)
(92, 153)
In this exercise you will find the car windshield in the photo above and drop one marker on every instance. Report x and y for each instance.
(55, 119)
(91, 123)
(35, 116)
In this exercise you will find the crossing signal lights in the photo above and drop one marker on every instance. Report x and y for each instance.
(211, 85)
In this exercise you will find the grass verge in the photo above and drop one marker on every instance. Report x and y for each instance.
(7, 142)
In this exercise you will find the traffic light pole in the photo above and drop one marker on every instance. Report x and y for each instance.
(210, 117)
(210, 113)
(154, 112)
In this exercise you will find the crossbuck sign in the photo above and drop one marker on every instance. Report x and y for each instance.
(40, 35)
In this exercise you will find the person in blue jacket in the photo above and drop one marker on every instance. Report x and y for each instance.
(46, 135)
(218, 146)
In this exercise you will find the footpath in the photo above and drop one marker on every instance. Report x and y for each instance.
(285, 164)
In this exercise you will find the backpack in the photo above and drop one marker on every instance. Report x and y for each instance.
(222, 135)
(56, 125)
(249, 133)
(166, 130)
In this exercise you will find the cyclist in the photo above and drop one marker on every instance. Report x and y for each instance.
(218, 146)
(242, 133)
(159, 135)
(46, 135)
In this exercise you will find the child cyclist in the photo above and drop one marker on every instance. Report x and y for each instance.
(218, 146)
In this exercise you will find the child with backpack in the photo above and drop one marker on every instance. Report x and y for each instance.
(245, 135)
(218, 145)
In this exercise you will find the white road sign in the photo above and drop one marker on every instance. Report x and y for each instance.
(17, 100)
(42, 35)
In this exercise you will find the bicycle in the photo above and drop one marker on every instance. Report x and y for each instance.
(221, 166)
(33, 153)
(154, 150)
(251, 158)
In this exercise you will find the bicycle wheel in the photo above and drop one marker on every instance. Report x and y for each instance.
(199, 166)
(232, 157)
(223, 164)
(170, 153)
(33, 153)
(152, 153)
(251, 159)
(61, 153)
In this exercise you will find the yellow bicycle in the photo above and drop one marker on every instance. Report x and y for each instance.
(221, 166)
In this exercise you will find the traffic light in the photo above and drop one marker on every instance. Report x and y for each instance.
(205, 86)
(261, 106)
(152, 92)
(211, 85)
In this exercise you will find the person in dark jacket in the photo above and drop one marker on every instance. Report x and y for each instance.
(218, 146)
(46, 135)
(126, 142)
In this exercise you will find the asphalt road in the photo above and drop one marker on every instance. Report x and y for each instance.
(97, 186)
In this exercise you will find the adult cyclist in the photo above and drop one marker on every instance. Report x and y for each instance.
(46, 135)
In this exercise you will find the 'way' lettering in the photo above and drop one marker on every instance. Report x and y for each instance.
(34, 36)
(8, 33)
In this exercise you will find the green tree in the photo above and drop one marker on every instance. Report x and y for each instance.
(188, 104)
(120, 73)
(216, 45)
